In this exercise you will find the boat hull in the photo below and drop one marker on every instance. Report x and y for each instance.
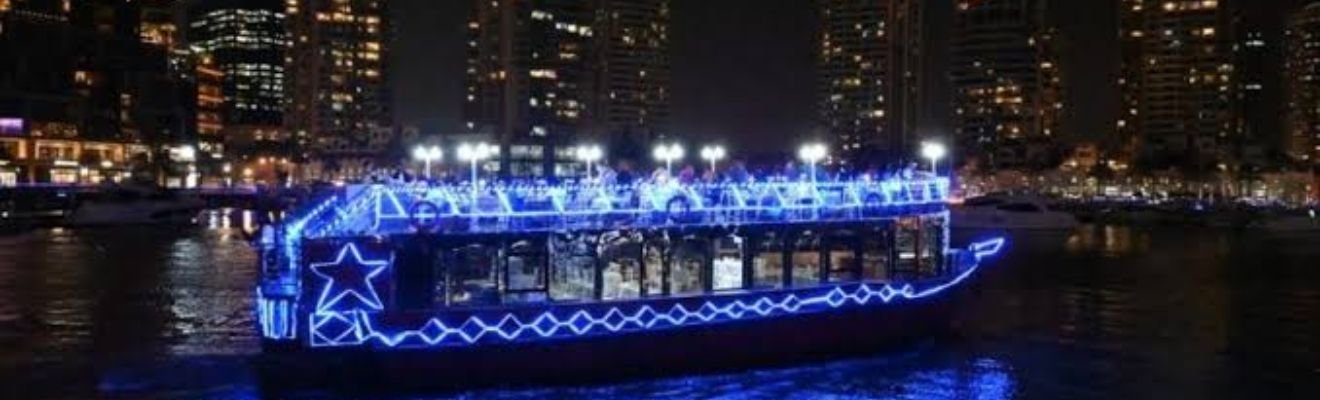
(845, 332)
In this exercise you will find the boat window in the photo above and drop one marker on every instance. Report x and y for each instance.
(653, 263)
(1020, 207)
(622, 257)
(932, 244)
(470, 273)
(843, 253)
(687, 273)
(907, 233)
(574, 271)
(728, 264)
(807, 260)
(768, 262)
(526, 278)
(875, 256)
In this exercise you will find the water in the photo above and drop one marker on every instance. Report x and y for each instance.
(1108, 312)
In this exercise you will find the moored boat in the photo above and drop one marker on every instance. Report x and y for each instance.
(504, 284)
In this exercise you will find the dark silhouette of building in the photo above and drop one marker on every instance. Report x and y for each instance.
(870, 72)
(1008, 84)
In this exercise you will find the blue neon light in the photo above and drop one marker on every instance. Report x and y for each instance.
(381, 209)
(357, 326)
(349, 281)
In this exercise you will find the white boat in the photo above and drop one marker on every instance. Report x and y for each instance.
(136, 207)
(1288, 223)
(1014, 213)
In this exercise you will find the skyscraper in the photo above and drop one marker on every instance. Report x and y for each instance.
(632, 55)
(341, 106)
(81, 92)
(1180, 88)
(869, 74)
(245, 41)
(1303, 76)
(544, 74)
(1007, 83)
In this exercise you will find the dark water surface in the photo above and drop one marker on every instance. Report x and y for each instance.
(1108, 312)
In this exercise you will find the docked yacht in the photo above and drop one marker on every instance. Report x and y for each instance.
(1011, 213)
(135, 206)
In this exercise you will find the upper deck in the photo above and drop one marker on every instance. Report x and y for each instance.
(371, 210)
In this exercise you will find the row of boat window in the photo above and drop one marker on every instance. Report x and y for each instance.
(621, 266)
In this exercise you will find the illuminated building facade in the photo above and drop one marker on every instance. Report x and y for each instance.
(543, 74)
(528, 80)
(632, 97)
(81, 94)
(1303, 77)
(1007, 82)
(158, 25)
(869, 74)
(246, 41)
(210, 108)
(341, 103)
(1180, 82)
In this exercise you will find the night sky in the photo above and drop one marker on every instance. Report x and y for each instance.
(743, 68)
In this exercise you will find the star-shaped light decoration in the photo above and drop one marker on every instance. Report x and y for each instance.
(348, 282)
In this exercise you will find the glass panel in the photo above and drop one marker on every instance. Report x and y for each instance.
(471, 276)
(623, 267)
(728, 273)
(654, 262)
(844, 265)
(685, 276)
(526, 269)
(768, 265)
(932, 245)
(907, 234)
(806, 260)
(875, 256)
(574, 276)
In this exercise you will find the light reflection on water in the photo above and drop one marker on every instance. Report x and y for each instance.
(1104, 312)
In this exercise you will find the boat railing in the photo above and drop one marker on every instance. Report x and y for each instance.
(394, 209)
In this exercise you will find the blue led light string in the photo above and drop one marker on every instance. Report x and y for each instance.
(356, 325)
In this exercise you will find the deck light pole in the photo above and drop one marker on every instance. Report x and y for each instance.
(813, 153)
(713, 154)
(590, 154)
(934, 151)
(427, 155)
(668, 153)
(474, 154)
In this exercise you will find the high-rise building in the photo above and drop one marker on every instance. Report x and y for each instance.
(341, 106)
(869, 74)
(209, 107)
(1303, 77)
(544, 74)
(529, 81)
(1180, 82)
(158, 25)
(246, 41)
(632, 82)
(81, 94)
(1008, 89)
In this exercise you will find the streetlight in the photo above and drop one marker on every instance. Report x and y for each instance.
(427, 155)
(713, 154)
(933, 151)
(590, 154)
(475, 153)
(813, 153)
(668, 153)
